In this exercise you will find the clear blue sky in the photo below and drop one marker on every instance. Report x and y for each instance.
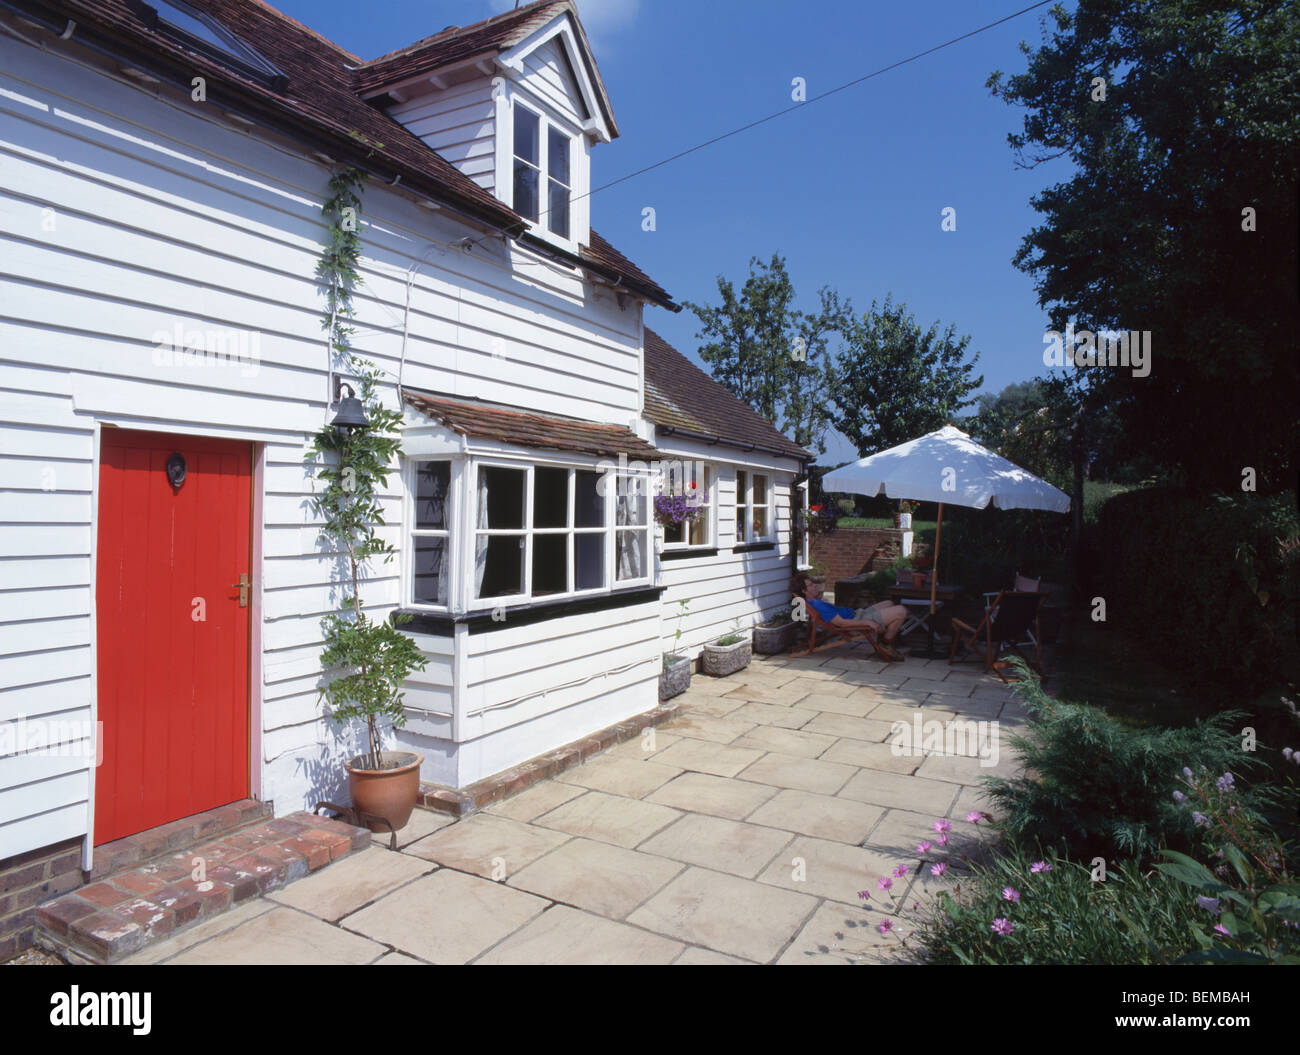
(850, 189)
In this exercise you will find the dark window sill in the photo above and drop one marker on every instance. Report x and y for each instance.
(522, 615)
(683, 554)
(750, 547)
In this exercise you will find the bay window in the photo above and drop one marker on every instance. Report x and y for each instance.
(755, 516)
(537, 532)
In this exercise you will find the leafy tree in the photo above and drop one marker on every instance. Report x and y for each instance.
(894, 382)
(770, 354)
(1178, 116)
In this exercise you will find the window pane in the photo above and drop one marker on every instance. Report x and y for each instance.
(557, 156)
(589, 504)
(503, 565)
(526, 135)
(700, 532)
(760, 490)
(673, 533)
(550, 498)
(589, 561)
(760, 523)
(742, 496)
(525, 190)
(558, 204)
(630, 507)
(631, 555)
(550, 564)
(430, 583)
(500, 498)
(432, 480)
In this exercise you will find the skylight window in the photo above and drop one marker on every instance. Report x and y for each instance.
(202, 33)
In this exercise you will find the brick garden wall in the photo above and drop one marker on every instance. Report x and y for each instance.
(845, 550)
(28, 879)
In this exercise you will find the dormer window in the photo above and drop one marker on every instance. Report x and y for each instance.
(542, 170)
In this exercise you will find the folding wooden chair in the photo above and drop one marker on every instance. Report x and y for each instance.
(837, 635)
(1005, 624)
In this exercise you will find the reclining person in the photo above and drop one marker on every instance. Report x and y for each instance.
(885, 618)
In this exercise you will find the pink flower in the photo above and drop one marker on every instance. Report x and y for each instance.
(974, 817)
(1002, 925)
(939, 869)
(884, 882)
(886, 925)
(923, 847)
(942, 840)
(1219, 928)
(943, 826)
(900, 871)
(1010, 893)
(1040, 866)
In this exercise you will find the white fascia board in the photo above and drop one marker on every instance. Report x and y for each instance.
(513, 58)
(673, 446)
(418, 441)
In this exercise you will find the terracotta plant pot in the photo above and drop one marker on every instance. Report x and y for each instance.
(918, 579)
(387, 793)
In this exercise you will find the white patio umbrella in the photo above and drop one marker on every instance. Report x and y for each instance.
(946, 466)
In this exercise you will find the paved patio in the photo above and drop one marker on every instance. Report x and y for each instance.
(741, 832)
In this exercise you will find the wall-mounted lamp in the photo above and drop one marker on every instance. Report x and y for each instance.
(350, 414)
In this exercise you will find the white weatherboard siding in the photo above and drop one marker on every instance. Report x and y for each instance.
(458, 122)
(729, 585)
(548, 76)
(123, 215)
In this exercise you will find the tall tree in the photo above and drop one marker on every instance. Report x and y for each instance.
(769, 353)
(1182, 119)
(893, 381)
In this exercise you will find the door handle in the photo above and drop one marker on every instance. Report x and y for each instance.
(243, 589)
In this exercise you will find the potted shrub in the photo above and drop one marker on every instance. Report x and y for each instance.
(369, 659)
(675, 677)
(728, 654)
(776, 633)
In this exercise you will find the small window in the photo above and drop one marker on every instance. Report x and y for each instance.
(632, 520)
(754, 509)
(430, 543)
(696, 481)
(527, 161)
(559, 184)
(499, 539)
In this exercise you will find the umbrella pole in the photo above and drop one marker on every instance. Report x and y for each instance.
(929, 652)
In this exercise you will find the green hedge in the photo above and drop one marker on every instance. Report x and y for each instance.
(1209, 582)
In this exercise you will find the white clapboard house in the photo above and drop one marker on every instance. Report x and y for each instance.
(163, 368)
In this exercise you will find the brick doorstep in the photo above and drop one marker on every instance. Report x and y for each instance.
(461, 802)
(122, 912)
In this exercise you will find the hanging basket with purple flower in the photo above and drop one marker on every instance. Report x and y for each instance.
(677, 509)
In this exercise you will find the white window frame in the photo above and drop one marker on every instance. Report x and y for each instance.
(410, 476)
(507, 97)
(745, 508)
(711, 515)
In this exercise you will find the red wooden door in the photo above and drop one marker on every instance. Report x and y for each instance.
(172, 634)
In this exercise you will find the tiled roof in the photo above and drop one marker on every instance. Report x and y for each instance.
(486, 421)
(679, 395)
(321, 103)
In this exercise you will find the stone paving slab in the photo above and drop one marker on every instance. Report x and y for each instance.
(769, 714)
(866, 755)
(832, 870)
(717, 843)
(609, 818)
(717, 796)
(599, 877)
(540, 798)
(838, 934)
(804, 774)
(855, 706)
(842, 725)
(824, 816)
(284, 937)
(423, 822)
(446, 917)
(786, 741)
(726, 914)
(487, 845)
(722, 760)
(200, 932)
(896, 789)
(564, 935)
(355, 881)
(620, 775)
(695, 956)
(704, 727)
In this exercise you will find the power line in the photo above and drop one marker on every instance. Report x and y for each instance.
(817, 98)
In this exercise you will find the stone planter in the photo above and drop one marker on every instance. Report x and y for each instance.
(675, 679)
(769, 640)
(905, 521)
(721, 660)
